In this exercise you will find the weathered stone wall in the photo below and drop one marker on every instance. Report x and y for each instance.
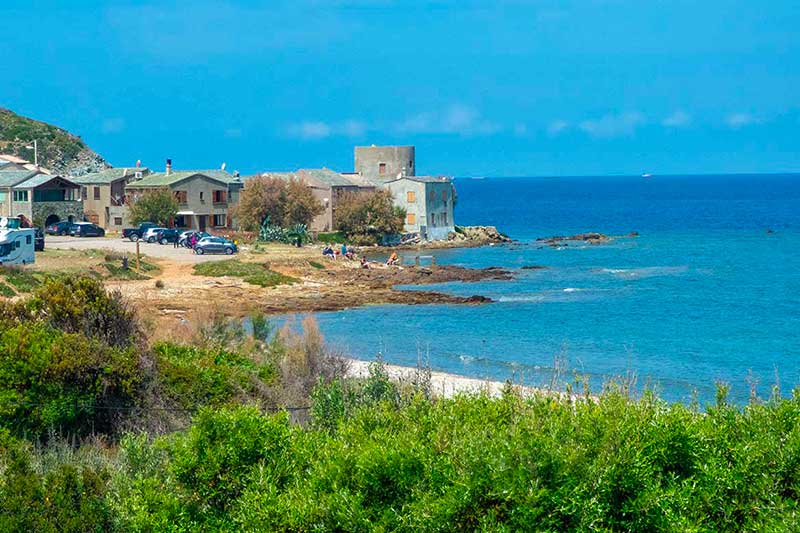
(398, 160)
(63, 210)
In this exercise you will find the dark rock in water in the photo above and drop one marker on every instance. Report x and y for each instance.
(560, 240)
(533, 267)
(633, 234)
(770, 232)
(477, 299)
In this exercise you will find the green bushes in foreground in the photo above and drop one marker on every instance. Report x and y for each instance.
(470, 463)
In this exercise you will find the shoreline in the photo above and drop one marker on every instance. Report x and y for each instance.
(445, 384)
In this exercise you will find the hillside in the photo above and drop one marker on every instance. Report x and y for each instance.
(59, 150)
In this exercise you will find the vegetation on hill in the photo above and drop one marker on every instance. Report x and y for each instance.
(59, 150)
(101, 431)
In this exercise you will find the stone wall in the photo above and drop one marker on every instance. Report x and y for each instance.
(397, 160)
(63, 210)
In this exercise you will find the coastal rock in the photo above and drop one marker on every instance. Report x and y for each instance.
(481, 234)
(477, 299)
(533, 267)
(562, 240)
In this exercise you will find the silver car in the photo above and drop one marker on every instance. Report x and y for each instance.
(215, 245)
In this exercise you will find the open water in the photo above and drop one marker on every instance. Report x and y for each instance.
(709, 291)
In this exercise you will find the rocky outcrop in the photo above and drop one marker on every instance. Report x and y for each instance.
(589, 238)
(481, 234)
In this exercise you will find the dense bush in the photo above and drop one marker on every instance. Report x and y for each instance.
(158, 206)
(283, 203)
(366, 217)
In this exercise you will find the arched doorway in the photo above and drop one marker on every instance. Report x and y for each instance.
(52, 219)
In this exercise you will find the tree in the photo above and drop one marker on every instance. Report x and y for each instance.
(262, 197)
(285, 203)
(301, 206)
(157, 206)
(367, 216)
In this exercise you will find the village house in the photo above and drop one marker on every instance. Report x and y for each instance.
(328, 187)
(41, 198)
(204, 196)
(103, 195)
(428, 202)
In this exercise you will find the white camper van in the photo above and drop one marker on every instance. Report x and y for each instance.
(16, 244)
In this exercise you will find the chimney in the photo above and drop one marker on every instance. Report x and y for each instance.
(169, 167)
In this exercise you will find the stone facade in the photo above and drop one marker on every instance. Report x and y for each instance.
(428, 202)
(384, 163)
(66, 210)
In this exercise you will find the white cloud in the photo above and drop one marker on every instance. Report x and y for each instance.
(678, 119)
(315, 130)
(613, 125)
(456, 119)
(113, 125)
(557, 126)
(740, 120)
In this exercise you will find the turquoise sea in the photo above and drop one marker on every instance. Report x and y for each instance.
(709, 291)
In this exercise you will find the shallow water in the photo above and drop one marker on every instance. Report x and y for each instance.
(703, 294)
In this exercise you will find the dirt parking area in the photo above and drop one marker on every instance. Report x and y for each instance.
(117, 244)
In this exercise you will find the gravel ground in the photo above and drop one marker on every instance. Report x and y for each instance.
(118, 244)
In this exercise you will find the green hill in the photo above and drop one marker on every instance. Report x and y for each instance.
(59, 150)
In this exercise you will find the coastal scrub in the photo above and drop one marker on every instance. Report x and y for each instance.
(253, 273)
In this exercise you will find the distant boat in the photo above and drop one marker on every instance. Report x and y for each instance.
(647, 175)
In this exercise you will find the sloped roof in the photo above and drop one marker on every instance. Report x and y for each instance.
(9, 178)
(163, 179)
(109, 175)
(319, 177)
(41, 179)
(424, 179)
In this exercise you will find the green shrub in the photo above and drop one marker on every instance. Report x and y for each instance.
(253, 273)
(68, 382)
(6, 291)
(22, 280)
(333, 237)
(194, 377)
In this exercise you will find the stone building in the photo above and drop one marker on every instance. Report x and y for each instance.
(384, 163)
(428, 202)
(328, 187)
(204, 196)
(103, 195)
(43, 199)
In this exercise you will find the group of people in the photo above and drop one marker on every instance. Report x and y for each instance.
(349, 253)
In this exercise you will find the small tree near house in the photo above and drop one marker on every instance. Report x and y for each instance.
(157, 206)
(284, 203)
(366, 217)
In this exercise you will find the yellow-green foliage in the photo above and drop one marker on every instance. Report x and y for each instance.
(253, 273)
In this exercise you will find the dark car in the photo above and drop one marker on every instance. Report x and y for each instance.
(59, 228)
(134, 234)
(38, 240)
(167, 235)
(86, 229)
(184, 239)
(215, 245)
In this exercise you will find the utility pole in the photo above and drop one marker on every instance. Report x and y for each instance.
(35, 152)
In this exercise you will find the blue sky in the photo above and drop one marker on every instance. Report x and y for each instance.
(501, 88)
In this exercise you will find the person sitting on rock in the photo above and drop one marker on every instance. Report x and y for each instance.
(393, 259)
(328, 252)
(364, 263)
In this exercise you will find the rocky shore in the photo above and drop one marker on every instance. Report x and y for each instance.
(588, 238)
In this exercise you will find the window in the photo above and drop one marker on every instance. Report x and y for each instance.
(381, 168)
(180, 197)
(433, 219)
(27, 239)
(432, 195)
(201, 196)
(3, 195)
(84, 195)
(411, 197)
(444, 218)
(410, 163)
(117, 221)
(20, 196)
(411, 219)
(219, 197)
(97, 193)
(444, 196)
(219, 221)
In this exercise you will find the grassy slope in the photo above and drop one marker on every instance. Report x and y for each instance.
(253, 273)
(58, 148)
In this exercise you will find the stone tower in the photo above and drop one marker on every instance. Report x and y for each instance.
(385, 163)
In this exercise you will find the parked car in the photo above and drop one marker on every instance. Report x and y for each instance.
(151, 234)
(38, 240)
(183, 239)
(134, 234)
(86, 229)
(59, 228)
(215, 245)
(167, 235)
